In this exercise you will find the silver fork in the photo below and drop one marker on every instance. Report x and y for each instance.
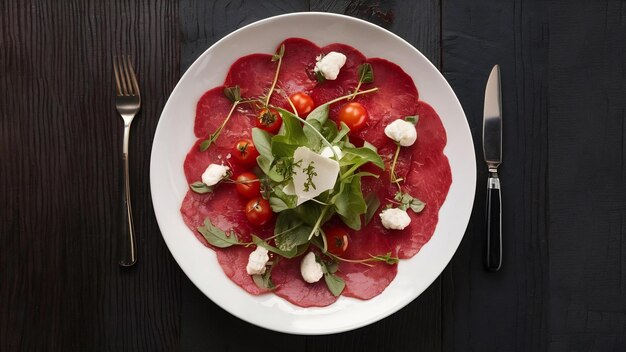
(128, 103)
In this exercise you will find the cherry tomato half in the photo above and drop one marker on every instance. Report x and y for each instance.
(269, 120)
(245, 152)
(337, 240)
(354, 115)
(258, 211)
(248, 185)
(302, 102)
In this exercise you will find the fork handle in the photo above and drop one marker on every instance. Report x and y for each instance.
(129, 254)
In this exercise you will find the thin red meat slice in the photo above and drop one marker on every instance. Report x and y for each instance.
(213, 108)
(429, 179)
(225, 208)
(396, 98)
(290, 286)
(366, 282)
(233, 261)
(297, 66)
(253, 74)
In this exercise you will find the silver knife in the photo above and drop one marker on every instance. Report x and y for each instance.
(492, 149)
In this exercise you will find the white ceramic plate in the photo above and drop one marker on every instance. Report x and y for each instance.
(174, 136)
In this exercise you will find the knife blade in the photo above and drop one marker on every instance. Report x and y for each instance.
(492, 150)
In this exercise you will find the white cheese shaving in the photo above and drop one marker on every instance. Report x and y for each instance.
(313, 174)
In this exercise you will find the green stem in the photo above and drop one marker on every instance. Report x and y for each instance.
(295, 112)
(371, 90)
(349, 172)
(393, 167)
(318, 223)
(269, 94)
(213, 137)
(358, 86)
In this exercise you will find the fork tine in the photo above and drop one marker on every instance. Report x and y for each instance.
(133, 76)
(127, 76)
(117, 76)
(122, 67)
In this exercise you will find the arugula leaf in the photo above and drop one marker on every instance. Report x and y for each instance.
(205, 144)
(262, 142)
(279, 53)
(349, 203)
(366, 73)
(409, 201)
(412, 119)
(280, 201)
(373, 203)
(264, 281)
(266, 166)
(200, 188)
(335, 284)
(287, 254)
(330, 267)
(329, 130)
(320, 77)
(369, 145)
(308, 212)
(216, 237)
(342, 133)
(283, 145)
(316, 118)
(361, 156)
(387, 258)
(290, 231)
(232, 93)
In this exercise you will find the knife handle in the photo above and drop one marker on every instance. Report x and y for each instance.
(494, 224)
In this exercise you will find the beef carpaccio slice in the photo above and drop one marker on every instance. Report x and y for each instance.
(423, 166)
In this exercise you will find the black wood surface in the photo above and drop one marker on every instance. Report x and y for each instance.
(563, 283)
(61, 213)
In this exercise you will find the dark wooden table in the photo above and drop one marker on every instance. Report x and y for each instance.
(563, 282)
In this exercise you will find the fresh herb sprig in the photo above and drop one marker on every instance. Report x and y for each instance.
(234, 95)
(278, 56)
(392, 171)
(366, 75)
(406, 201)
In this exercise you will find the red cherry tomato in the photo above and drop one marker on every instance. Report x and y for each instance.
(336, 240)
(269, 120)
(245, 152)
(258, 211)
(248, 185)
(302, 102)
(354, 115)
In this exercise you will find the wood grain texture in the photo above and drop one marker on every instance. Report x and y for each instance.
(504, 311)
(61, 199)
(587, 176)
